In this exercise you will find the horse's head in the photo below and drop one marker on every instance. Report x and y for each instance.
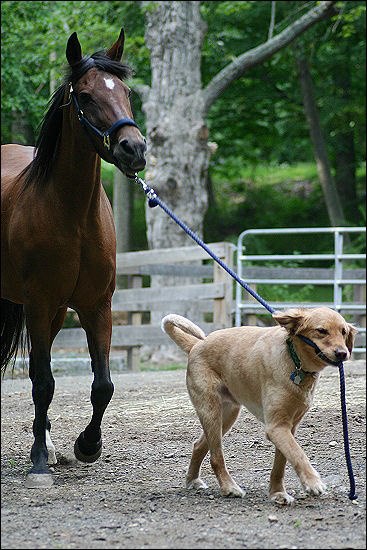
(102, 104)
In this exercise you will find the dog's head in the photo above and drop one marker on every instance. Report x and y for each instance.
(324, 326)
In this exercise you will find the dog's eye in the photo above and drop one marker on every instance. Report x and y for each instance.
(344, 332)
(322, 331)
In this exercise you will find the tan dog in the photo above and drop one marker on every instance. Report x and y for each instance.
(273, 378)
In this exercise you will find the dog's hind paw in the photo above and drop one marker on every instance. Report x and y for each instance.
(196, 484)
(282, 498)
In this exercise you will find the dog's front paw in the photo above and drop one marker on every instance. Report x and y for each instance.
(196, 484)
(282, 498)
(314, 486)
(233, 491)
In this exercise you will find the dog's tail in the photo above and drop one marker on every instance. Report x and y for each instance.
(182, 331)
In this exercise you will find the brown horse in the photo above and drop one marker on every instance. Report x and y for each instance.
(58, 237)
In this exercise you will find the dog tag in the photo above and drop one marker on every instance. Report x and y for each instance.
(297, 377)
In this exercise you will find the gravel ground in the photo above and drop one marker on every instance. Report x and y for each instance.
(134, 495)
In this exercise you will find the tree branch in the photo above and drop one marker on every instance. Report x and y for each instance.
(272, 21)
(259, 54)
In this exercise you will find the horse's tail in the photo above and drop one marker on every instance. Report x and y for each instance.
(182, 331)
(13, 333)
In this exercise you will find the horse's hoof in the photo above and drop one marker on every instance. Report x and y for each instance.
(86, 452)
(39, 481)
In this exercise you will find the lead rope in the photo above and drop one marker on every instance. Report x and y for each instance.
(352, 486)
(153, 201)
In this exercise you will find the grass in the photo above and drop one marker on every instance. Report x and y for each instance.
(264, 174)
(272, 174)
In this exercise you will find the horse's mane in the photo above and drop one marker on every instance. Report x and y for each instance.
(38, 171)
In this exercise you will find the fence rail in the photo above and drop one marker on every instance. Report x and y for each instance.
(137, 299)
(198, 285)
(336, 277)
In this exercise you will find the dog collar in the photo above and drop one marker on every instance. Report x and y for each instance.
(298, 375)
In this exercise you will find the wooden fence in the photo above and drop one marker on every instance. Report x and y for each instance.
(136, 299)
(196, 285)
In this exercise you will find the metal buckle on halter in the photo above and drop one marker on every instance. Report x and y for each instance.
(106, 141)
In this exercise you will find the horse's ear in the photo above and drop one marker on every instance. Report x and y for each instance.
(115, 52)
(73, 50)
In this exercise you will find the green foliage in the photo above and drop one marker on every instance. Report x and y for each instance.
(263, 172)
(265, 197)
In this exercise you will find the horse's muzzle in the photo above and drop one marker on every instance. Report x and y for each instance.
(130, 154)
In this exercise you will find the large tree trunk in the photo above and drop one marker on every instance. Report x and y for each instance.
(178, 153)
(333, 204)
(177, 136)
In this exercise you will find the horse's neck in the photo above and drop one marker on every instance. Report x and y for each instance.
(77, 173)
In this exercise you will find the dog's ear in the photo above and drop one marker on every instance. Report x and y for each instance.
(291, 319)
(350, 336)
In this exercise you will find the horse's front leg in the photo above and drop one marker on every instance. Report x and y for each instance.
(43, 385)
(98, 326)
(55, 327)
(50, 446)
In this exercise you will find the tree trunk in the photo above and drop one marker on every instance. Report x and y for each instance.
(178, 156)
(345, 158)
(123, 195)
(333, 204)
(177, 136)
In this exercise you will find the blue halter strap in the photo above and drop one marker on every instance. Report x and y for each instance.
(104, 136)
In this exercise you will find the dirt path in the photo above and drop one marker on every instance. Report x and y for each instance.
(134, 496)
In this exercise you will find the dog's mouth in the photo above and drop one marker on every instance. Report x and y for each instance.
(338, 358)
(339, 354)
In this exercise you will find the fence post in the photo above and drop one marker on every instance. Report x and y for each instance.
(134, 318)
(222, 314)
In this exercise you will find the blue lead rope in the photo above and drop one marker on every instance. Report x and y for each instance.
(154, 200)
(352, 491)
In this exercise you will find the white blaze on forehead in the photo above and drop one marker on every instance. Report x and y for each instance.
(109, 83)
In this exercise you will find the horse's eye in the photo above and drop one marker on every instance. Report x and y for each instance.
(322, 331)
(84, 98)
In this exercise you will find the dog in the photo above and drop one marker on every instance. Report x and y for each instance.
(272, 371)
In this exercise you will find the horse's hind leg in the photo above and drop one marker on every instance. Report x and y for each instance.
(98, 326)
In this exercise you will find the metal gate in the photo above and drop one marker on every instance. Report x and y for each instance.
(343, 274)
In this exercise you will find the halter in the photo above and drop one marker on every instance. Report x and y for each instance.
(89, 63)
(104, 136)
(318, 351)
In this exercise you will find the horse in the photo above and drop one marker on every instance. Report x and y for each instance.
(58, 241)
